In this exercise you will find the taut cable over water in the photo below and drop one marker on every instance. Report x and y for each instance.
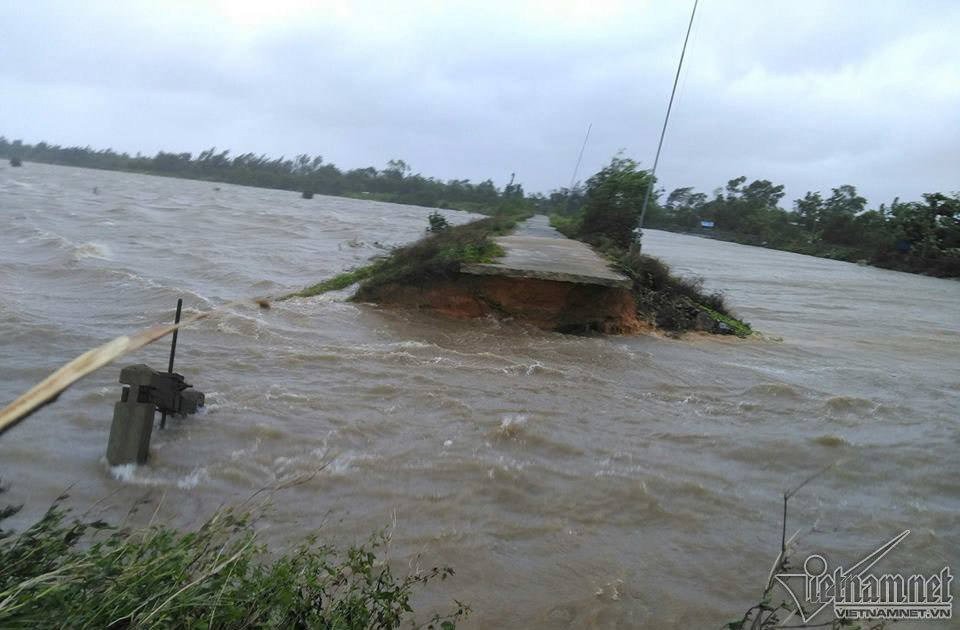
(666, 119)
(47, 390)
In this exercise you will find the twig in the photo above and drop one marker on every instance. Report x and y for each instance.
(790, 493)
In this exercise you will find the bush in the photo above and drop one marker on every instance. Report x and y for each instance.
(63, 573)
(674, 303)
(438, 222)
(438, 256)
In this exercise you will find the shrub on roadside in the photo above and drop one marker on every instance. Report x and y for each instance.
(67, 573)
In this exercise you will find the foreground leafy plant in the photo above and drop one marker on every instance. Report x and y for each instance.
(63, 573)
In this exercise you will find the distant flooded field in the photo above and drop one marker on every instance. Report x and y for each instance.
(581, 482)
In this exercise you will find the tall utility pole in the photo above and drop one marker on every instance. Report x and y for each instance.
(573, 178)
(663, 132)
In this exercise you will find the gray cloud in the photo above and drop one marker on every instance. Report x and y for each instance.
(811, 94)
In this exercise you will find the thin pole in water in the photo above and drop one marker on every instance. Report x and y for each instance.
(173, 353)
(573, 178)
(666, 119)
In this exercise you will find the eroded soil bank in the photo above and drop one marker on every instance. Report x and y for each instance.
(546, 304)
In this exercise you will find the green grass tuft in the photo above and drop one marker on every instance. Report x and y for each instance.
(739, 328)
(672, 302)
(336, 283)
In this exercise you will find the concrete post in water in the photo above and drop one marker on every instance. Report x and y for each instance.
(132, 418)
(147, 390)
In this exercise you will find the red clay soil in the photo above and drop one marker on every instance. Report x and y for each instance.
(547, 304)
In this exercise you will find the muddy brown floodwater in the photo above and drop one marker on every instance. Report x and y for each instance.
(582, 482)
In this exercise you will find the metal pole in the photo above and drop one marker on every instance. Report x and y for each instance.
(576, 168)
(173, 353)
(666, 119)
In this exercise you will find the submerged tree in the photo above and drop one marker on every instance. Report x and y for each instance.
(438, 222)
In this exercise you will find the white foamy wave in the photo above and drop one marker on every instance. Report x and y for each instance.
(607, 469)
(136, 279)
(278, 394)
(296, 464)
(239, 324)
(341, 463)
(512, 424)
(507, 465)
(78, 251)
(345, 462)
(529, 370)
(143, 476)
(245, 452)
(411, 344)
(212, 402)
(193, 479)
(124, 472)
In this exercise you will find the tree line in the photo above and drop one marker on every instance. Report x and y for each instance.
(396, 182)
(918, 236)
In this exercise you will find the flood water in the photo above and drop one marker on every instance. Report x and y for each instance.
(581, 482)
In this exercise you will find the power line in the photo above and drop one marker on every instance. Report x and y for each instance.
(666, 119)
(580, 157)
(576, 168)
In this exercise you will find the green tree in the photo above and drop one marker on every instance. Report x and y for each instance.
(683, 208)
(832, 220)
(397, 169)
(932, 228)
(809, 209)
(613, 200)
(512, 190)
(837, 221)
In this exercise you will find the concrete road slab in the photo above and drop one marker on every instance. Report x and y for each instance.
(549, 257)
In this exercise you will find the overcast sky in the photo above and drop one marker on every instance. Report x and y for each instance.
(805, 93)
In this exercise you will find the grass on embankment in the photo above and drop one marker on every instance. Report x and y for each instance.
(435, 256)
(64, 573)
(670, 302)
(674, 303)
